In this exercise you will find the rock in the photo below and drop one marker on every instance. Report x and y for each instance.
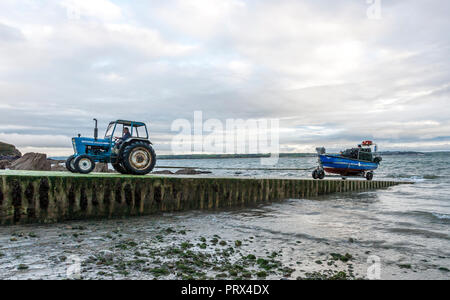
(32, 162)
(9, 150)
(4, 164)
(191, 172)
(101, 168)
(9, 158)
(164, 172)
(106, 254)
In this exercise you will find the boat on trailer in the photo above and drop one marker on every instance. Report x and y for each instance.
(355, 162)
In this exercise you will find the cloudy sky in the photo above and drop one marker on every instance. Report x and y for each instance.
(333, 73)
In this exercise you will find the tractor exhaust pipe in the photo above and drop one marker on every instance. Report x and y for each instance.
(96, 130)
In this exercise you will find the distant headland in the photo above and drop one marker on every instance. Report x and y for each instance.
(288, 155)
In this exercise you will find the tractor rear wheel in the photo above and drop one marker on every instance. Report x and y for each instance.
(120, 168)
(84, 164)
(139, 158)
(70, 164)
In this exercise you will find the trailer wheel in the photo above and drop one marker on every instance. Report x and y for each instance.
(315, 174)
(139, 158)
(321, 174)
(70, 164)
(84, 164)
(369, 176)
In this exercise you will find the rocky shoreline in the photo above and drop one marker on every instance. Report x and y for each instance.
(149, 248)
(8, 155)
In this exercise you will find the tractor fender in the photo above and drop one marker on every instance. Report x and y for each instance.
(130, 141)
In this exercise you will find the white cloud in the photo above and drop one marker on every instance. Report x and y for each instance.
(147, 41)
(199, 18)
(50, 151)
(100, 9)
(112, 77)
(24, 140)
(330, 74)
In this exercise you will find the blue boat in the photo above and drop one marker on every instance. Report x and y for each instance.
(360, 162)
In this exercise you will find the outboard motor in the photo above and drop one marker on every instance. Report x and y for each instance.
(96, 130)
(321, 150)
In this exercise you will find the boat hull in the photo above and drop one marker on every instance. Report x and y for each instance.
(345, 166)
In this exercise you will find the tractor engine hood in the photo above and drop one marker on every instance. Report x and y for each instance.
(80, 143)
(92, 141)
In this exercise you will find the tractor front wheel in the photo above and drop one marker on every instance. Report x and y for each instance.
(139, 158)
(70, 164)
(84, 164)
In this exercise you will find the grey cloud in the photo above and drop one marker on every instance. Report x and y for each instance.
(10, 34)
(315, 63)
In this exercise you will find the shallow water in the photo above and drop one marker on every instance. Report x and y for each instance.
(406, 227)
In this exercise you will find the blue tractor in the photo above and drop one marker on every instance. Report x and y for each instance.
(133, 154)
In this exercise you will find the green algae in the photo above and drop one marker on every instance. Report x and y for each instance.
(186, 245)
(261, 274)
(326, 275)
(343, 258)
(22, 267)
(251, 257)
(159, 271)
(405, 266)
